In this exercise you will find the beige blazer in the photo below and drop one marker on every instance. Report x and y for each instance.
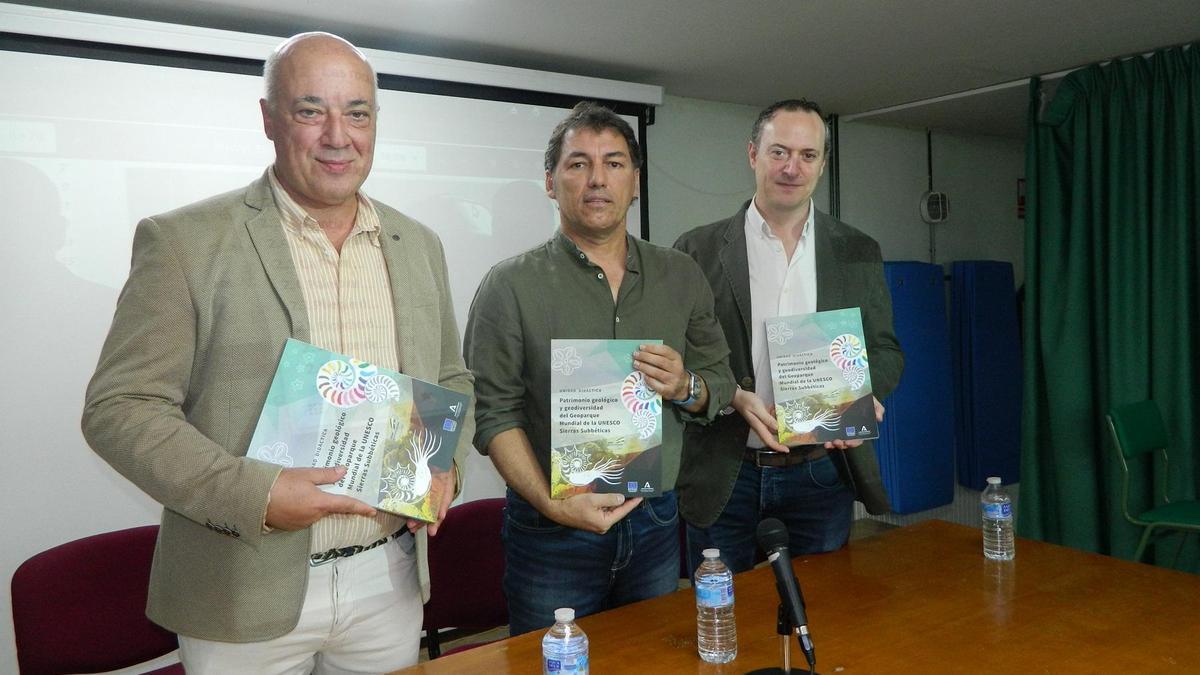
(212, 295)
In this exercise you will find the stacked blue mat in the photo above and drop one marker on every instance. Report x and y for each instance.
(987, 372)
(916, 438)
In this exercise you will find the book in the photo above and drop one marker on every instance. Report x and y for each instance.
(392, 432)
(606, 421)
(821, 378)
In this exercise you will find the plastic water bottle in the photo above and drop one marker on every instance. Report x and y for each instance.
(565, 646)
(998, 541)
(716, 629)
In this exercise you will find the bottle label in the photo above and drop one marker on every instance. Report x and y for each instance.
(998, 511)
(714, 595)
(577, 665)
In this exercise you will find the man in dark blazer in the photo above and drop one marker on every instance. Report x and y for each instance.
(778, 256)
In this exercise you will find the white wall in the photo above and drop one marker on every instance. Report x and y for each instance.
(882, 179)
(979, 174)
(698, 166)
(884, 173)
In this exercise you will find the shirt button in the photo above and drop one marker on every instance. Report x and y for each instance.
(618, 319)
(600, 275)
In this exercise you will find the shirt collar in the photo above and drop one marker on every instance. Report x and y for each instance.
(296, 219)
(756, 225)
(632, 253)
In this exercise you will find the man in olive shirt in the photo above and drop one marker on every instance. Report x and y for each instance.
(591, 280)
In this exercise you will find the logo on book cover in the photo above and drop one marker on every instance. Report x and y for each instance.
(449, 425)
(457, 409)
(864, 430)
(631, 486)
(565, 360)
(779, 333)
(647, 487)
(276, 453)
(849, 431)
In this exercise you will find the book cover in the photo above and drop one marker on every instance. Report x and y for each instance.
(606, 422)
(392, 432)
(821, 378)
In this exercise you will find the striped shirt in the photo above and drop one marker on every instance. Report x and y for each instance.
(349, 303)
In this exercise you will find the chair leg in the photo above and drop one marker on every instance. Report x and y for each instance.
(1179, 549)
(433, 643)
(1137, 557)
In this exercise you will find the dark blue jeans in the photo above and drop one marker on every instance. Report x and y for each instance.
(810, 498)
(550, 565)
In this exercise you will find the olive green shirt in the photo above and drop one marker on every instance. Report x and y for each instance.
(555, 292)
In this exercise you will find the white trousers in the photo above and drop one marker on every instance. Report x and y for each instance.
(361, 614)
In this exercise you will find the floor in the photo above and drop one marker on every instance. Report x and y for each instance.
(863, 527)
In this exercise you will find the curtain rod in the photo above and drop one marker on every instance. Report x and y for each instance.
(1023, 82)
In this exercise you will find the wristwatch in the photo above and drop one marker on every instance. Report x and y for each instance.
(693, 391)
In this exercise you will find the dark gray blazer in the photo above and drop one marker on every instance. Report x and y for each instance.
(849, 274)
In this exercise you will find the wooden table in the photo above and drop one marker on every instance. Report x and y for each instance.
(919, 599)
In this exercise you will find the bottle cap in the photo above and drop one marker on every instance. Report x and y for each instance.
(993, 480)
(564, 615)
(711, 553)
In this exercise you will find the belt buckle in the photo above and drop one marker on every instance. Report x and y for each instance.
(333, 554)
(774, 459)
(319, 559)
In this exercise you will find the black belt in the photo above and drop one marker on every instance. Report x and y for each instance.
(318, 559)
(761, 457)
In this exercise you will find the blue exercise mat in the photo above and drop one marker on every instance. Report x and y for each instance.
(916, 438)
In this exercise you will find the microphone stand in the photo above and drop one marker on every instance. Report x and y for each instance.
(785, 629)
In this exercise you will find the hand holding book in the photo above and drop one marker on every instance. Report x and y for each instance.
(297, 501)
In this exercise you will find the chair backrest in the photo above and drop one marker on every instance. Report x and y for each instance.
(1137, 428)
(466, 568)
(81, 607)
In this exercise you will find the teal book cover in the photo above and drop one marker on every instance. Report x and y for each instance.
(393, 433)
(606, 422)
(821, 377)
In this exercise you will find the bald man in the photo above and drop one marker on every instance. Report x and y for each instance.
(257, 569)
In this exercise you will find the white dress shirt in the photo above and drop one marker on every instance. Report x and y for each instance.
(778, 287)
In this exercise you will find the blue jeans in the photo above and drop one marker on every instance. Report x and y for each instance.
(811, 499)
(548, 565)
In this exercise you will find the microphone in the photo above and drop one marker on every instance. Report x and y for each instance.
(772, 537)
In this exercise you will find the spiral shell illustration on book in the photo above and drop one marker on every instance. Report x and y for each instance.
(849, 354)
(405, 475)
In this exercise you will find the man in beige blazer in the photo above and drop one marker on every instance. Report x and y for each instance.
(244, 570)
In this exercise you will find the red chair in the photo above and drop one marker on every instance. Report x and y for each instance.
(466, 568)
(81, 607)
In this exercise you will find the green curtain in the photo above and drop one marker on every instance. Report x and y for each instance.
(1112, 294)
